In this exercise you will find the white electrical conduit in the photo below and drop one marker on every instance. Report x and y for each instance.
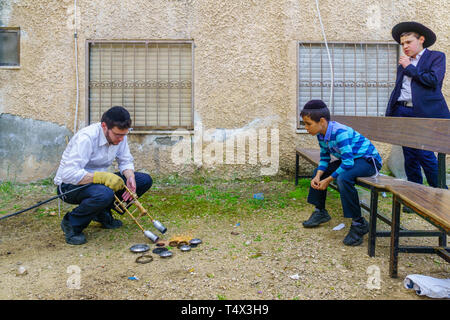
(77, 82)
(76, 68)
(329, 57)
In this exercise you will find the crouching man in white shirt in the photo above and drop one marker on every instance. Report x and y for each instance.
(88, 155)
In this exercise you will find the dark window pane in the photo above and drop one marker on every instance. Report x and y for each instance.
(9, 51)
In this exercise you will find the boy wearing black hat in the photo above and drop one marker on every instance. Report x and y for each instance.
(417, 92)
(357, 157)
(85, 161)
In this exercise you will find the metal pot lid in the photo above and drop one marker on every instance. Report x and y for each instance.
(166, 254)
(142, 247)
(185, 248)
(159, 250)
(195, 241)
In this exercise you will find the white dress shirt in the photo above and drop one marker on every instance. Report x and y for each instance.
(405, 93)
(89, 151)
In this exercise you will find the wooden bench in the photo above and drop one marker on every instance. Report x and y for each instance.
(433, 205)
(426, 134)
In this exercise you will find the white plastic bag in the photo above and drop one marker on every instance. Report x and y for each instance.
(428, 286)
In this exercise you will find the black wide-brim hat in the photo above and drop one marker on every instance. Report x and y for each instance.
(411, 26)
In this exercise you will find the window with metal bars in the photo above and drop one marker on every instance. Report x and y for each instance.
(9, 47)
(153, 80)
(363, 76)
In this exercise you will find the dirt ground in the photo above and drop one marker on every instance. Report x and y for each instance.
(252, 249)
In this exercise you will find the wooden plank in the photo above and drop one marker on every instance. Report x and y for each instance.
(433, 204)
(382, 181)
(421, 133)
(312, 155)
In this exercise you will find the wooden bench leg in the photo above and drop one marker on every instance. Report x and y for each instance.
(373, 222)
(395, 228)
(296, 168)
(442, 175)
(443, 239)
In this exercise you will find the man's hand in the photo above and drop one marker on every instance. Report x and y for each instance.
(109, 179)
(404, 61)
(131, 184)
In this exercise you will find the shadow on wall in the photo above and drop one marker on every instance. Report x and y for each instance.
(30, 149)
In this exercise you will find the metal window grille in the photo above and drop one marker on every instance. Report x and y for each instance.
(9, 47)
(151, 79)
(363, 76)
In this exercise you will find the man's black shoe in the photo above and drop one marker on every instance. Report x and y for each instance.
(356, 233)
(72, 237)
(317, 217)
(107, 221)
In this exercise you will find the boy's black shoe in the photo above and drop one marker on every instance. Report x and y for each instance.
(356, 233)
(317, 217)
(107, 220)
(407, 209)
(72, 237)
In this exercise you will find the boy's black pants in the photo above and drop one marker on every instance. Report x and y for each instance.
(346, 184)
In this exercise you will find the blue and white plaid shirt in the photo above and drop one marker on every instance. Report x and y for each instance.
(346, 144)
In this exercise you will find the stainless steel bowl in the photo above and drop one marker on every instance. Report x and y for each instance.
(166, 254)
(195, 241)
(159, 250)
(138, 248)
(185, 248)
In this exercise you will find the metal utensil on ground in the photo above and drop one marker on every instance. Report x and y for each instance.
(159, 250)
(173, 243)
(138, 248)
(182, 243)
(195, 242)
(122, 207)
(166, 254)
(143, 259)
(185, 248)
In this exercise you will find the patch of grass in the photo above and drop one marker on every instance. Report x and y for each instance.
(175, 202)
(43, 182)
(219, 199)
(301, 191)
(7, 191)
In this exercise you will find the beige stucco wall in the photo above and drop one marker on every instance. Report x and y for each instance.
(245, 62)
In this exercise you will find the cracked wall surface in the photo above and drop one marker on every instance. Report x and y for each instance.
(245, 68)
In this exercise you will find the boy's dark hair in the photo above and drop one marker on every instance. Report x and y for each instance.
(407, 33)
(316, 109)
(117, 117)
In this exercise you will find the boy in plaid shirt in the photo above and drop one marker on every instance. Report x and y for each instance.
(357, 157)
